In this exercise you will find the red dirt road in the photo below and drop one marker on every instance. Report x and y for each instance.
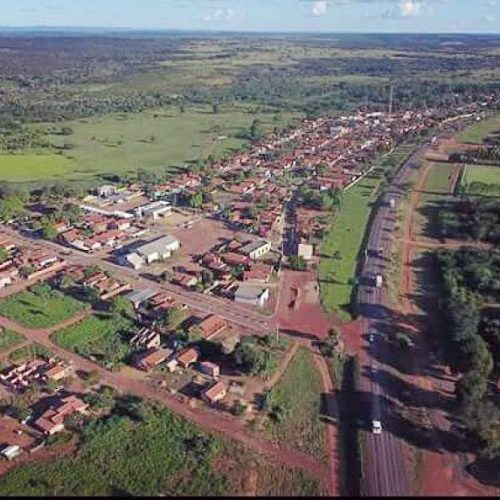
(443, 473)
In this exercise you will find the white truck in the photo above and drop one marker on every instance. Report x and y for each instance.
(379, 281)
(392, 203)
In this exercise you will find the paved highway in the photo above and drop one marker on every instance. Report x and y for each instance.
(386, 473)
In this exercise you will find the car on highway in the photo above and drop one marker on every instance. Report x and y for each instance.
(376, 427)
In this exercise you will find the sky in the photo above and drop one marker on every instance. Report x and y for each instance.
(421, 16)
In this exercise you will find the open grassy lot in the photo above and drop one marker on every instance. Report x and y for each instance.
(435, 192)
(345, 236)
(30, 351)
(40, 307)
(479, 131)
(439, 179)
(148, 451)
(9, 339)
(296, 404)
(33, 167)
(100, 336)
(478, 179)
(153, 139)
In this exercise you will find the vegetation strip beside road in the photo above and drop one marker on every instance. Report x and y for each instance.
(295, 406)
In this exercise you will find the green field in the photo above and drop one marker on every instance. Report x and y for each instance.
(9, 339)
(34, 167)
(30, 351)
(40, 307)
(297, 397)
(435, 191)
(122, 143)
(438, 181)
(479, 131)
(484, 180)
(98, 336)
(147, 451)
(345, 236)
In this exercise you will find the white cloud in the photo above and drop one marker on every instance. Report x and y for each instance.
(220, 15)
(319, 8)
(410, 8)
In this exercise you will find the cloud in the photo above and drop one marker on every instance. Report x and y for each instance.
(319, 8)
(409, 8)
(220, 15)
(405, 9)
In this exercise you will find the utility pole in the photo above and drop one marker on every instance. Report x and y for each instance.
(391, 99)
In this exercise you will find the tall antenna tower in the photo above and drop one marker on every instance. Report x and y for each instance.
(391, 99)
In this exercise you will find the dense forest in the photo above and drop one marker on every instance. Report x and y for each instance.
(471, 283)
(470, 219)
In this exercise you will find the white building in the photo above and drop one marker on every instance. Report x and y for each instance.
(154, 251)
(255, 296)
(154, 210)
(305, 251)
(256, 249)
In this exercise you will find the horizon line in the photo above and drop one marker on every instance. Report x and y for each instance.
(246, 31)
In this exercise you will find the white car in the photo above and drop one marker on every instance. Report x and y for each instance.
(376, 427)
(372, 336)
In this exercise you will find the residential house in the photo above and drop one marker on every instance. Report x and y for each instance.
(211, 326)
(188, 357)
(214, 393)
(8, 276)
(185, 280)
(259, 273)
(137, 297)
(150, 359)
(209, 368)
(146, 338)
(52, 420)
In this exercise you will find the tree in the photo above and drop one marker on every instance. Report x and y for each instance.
(12, 206)
(172, 317)
(72, 212)
(91, 295)
(121, 306)
(298, 263)
(4, 255)
(251, 358)
(207, 277)
(49, 231)
(196, 200)
(215, 108)
(238, 409)
(471, 388)
(90, 270)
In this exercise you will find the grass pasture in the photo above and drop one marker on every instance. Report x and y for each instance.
(435, 191)
(28, 352)
(478, 132)
(345, 236)
(154, 139)
(481, 180)
(98, 336)
(9, 339)
(299, 394)
(143, 450)
(33, 167)
(40, 307)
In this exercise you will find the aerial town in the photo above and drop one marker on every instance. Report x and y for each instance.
(265, 321)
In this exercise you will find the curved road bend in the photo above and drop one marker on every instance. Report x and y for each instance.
(386, 473)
